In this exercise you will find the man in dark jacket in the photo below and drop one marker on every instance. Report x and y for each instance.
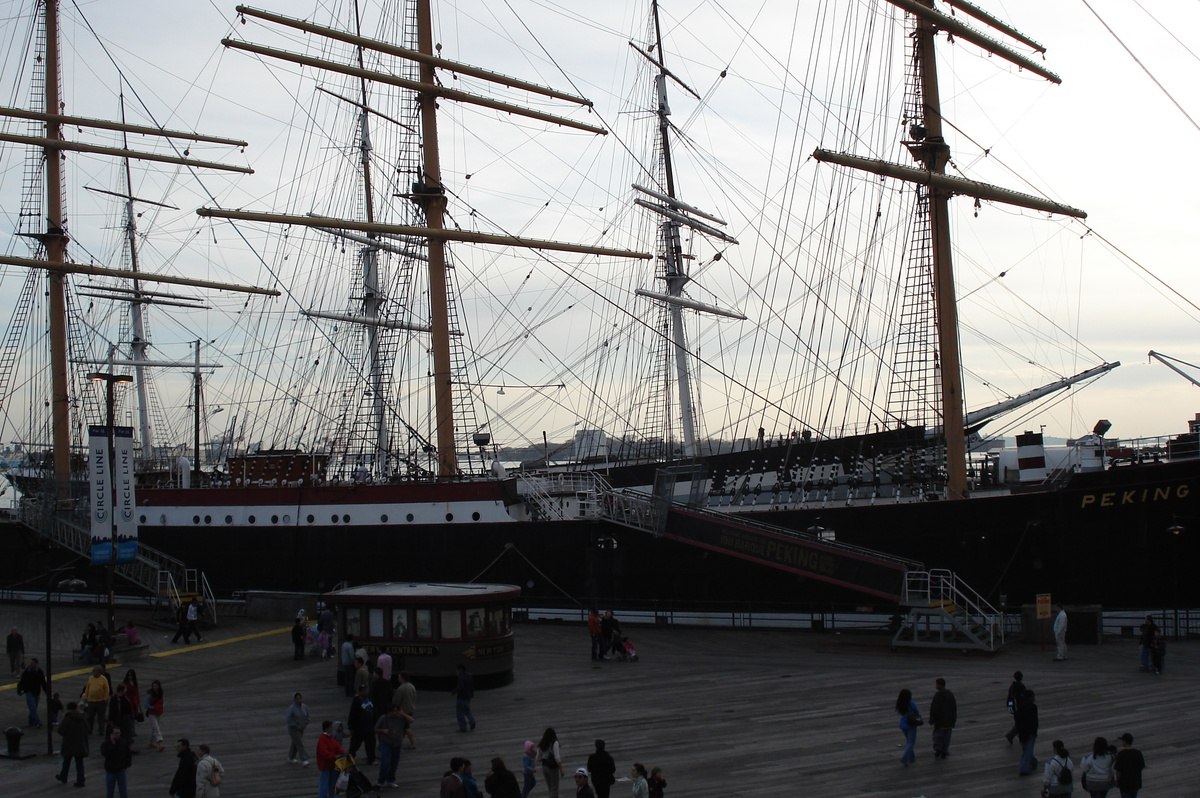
(500, 781)
(361, 724)
(1016, 694)
(31, 684)
(943, 714)
(74, 732)
(1027, 730)
(603, 770)
(184, 783)
(463, 693)
(298, 635)
(117, 758)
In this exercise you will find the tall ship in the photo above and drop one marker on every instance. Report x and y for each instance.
(798, 355)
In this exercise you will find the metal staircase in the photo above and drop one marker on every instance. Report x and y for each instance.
(156, 572)
(943, 612)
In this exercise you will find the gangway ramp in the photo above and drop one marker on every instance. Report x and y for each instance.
(804, 553)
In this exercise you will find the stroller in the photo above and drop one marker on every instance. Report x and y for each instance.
(623, 649)
(352, 781)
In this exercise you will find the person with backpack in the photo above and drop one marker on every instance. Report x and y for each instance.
(209, 774)
(550, 757)
(1059, 776)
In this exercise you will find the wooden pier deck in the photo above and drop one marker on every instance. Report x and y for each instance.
(724, 713)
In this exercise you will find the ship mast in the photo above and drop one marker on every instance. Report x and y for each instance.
(676, 215)
(932, 153)
(55, 237)
(431, 195)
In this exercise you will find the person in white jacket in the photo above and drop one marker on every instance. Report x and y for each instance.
(209, 774)
(1060, 634)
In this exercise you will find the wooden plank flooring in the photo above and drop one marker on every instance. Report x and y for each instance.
(724, 713)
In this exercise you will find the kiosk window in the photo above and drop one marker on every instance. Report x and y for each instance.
(496, 618)
(353, 621)
(399, 623)
(424, 623)
(451, 624)
(375, 622)
(475, 622)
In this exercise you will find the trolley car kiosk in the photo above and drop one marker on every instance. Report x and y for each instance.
(429, 628)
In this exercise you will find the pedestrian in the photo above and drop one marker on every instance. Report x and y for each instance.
(154, 710)
(549, 755)
(381, 692)
(87, 644)
(390, 729)
(346, 662)
(1059, 777)
(463, 693)
(657, 783)
(383, 662)
(298, 632)
(500, 781)
(594, 633)
(209, 774)
(131, 633)
(943, 714)
(468, 780)
(361, 724)
(117, 759)
(1027, 730)
(603, 770)
(134, 696)
(362, 675)
(104, 644)
(1060, 634)
(640, 787)
(297, 721)
(405, 696)
(1158, 653)
(582, 788)
(328, 750)
(1146, 641)
(610, 634)
(1016, 694)
(1128, 767)
(95, 697)
(121, 714)
(452, 782)
(54, 708)
(910, 719)
(74, 732)
(182, 628)
(1096, 769)
(193, 618)
(14, 646)
(31, 684)
(529, 768)
(184, 783)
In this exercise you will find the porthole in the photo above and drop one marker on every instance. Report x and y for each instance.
(383, 518)
(333, 518)
(195, 519)
(475, 516)
(345, 519)
(229, 519)
(274, 519)
(449, 517)
(409, 517)
(287, 519)
(250, 519)
(311, 519)
(141, 519)
(208, 519)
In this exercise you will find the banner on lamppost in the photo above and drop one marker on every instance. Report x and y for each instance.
(125, 503)
(100, 489)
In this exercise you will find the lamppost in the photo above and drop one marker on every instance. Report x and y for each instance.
(65, 584)
(110, 379)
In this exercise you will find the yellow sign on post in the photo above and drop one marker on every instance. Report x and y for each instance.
(1043, 606)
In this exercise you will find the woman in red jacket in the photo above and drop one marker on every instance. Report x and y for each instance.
(328, 750)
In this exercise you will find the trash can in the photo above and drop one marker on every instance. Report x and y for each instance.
(13, 735)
